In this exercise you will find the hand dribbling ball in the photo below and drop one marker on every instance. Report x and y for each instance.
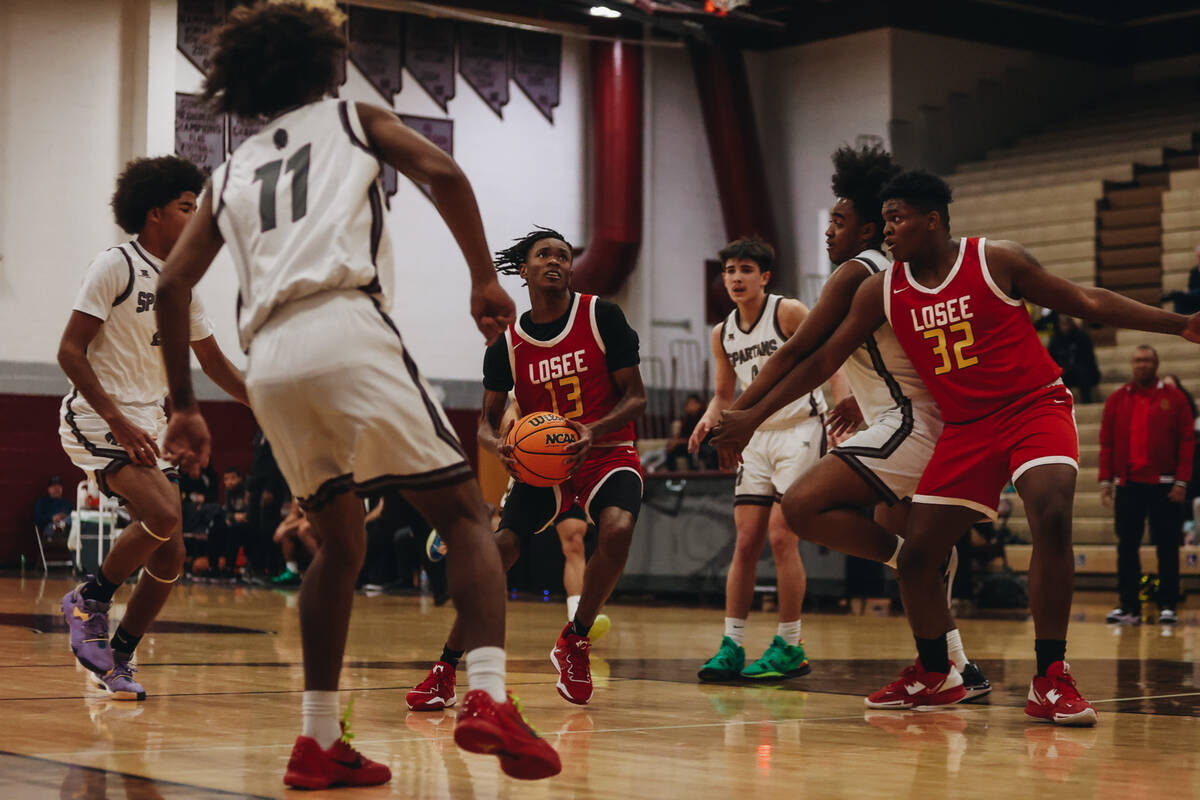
(540, 441)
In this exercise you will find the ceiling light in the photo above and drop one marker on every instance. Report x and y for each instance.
(604, 11)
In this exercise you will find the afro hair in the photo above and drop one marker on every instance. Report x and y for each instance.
(859, 173)
(148, 183)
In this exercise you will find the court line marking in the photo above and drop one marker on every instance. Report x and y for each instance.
(1147, 697)
(147, 778)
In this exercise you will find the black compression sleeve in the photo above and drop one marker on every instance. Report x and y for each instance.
(620, 340)
(497, 372)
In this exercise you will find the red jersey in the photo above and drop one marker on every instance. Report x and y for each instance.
(973, 345)
(568, 374)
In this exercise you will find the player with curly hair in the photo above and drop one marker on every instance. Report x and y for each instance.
(877, 467)
(336, 392)
(113, 420)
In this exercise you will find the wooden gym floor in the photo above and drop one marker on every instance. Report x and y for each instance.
(222, 669)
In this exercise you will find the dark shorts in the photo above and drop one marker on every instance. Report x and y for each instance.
(611, 476)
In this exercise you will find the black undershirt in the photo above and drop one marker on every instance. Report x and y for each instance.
(620, 343)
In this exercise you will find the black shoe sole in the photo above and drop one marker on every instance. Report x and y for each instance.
(715, 675)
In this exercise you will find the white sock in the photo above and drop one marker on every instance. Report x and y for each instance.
(955, 648)
(485, 670)
(572, 607)
(294, 567)
(891, 562)
(736, 629)
(320, 710)
(790, 632)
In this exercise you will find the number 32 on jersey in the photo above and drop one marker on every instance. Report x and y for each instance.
(955, 337)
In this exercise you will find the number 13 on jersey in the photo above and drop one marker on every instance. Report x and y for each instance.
(572, 405)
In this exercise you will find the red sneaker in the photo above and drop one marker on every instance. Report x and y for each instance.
(435, 692)
(917, 688)
(310, 767)
(570, 658)
(501, 730)
(1054, 698)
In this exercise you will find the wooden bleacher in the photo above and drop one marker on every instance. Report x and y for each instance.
(1111, 198)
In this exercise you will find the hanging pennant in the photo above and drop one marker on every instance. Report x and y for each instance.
(199, 133)
(376, 48)
(429, 56)
(483, 56)
(438, 131)
(537, 69)
(195, 18)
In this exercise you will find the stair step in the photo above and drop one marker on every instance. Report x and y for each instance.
(1125, 237)
(1129, 256)
(1150, 295)
(1137, 196)
(1130, 217)
(1184, 161)
(1135, 276)
(1102, 559)
(1158, 177)
(1087, 530)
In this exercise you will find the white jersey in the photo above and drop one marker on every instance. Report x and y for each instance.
(120, 289)
(301, 210)
(748, 350)
(879, 372)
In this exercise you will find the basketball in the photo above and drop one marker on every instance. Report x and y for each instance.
(539, 443)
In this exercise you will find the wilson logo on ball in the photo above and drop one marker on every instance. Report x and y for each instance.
(540, 443)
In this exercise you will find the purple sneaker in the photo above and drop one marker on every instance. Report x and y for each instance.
(88, 621)
(118, 682)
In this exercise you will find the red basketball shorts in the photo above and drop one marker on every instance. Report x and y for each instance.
(973, 461)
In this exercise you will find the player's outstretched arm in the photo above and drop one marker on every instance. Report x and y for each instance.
(187, 442)
(220, 369)
(865, 317)
(1015, 270)
(815, 327)
(418, 158)
(725, 381)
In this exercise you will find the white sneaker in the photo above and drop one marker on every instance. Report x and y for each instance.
(1167, 617)
(1122, 617)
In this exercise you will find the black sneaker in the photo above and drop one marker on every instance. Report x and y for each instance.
(1120, 616)
(974, 682)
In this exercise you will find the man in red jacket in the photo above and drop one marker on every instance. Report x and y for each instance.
(1146, 443)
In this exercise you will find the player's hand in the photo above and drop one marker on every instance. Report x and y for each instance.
(492, 309)
(1177, 494)
(698, 434)
(1192, 331)
(732, 435)
(1106, 496)
(580, 447)
(844, 419)
(140, 445)
(504, 451)
(188, 442)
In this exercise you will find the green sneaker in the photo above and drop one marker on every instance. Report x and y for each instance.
(286, 578)
(780, 660)
(726, 664)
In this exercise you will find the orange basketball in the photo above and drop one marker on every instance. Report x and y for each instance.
(539, 442)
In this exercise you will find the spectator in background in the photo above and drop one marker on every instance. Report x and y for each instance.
(199, 496)
(1193, 491)
(681, 429)
(1146, 448)
(52, 511)
(1071, 348)
(267, 493)
(230, 527)
(1188, 302)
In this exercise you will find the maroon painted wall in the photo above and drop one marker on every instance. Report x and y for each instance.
(30, 453)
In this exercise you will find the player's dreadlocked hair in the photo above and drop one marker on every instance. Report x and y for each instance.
(509, 261)
(148, 183)
(859, 173)
(922, 190)
(273, 56)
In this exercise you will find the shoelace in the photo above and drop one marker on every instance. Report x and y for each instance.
(435, 678)
(581, 647)
(96, 625)
(347, 735)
